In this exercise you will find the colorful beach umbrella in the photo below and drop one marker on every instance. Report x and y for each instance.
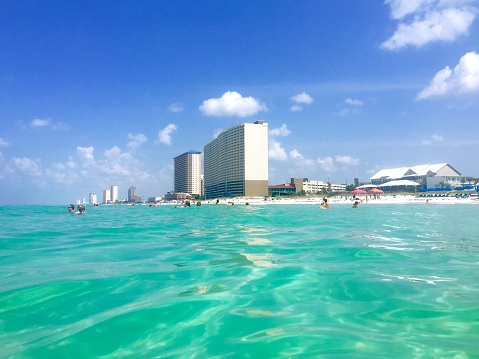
(375, 190)
(358, 191)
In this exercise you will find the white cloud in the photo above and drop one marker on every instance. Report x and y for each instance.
(425, 21)
(276, 151)
(38, 122)
(217, 132)
(164, 136)
(232, 104)
(303, 97)
(300, 160)
(114, 166)
(295, 154)
(176, 107)
(136, 141)
(27, 165)
(434, 138)
(463, 79)
(326, 164)
(296, 108)
(343, 112)
(347, 160)
(57, 126)
(352, 102)
(3, 143)
(86, 153)
(401, 8)
(282, 131)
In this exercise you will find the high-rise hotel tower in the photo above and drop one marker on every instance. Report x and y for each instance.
(188, 173)
(236, 162)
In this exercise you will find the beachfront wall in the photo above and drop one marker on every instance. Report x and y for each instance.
(236, 162)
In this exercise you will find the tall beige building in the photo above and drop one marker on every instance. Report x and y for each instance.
(188, 173)
(236, 162)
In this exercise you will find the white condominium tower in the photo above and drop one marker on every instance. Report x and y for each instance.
(188, 173)
(106, 196)
(236, 162)
(92, 199)
(114, 193)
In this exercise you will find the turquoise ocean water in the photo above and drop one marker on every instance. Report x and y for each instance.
(258, 281)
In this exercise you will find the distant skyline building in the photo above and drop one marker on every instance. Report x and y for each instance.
(106, 196)
(92, 199)
(236, 162)
(114, 193)
(187, 170)
(132, 197)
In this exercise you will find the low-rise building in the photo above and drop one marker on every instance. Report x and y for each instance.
(281, 190)
(309, 186)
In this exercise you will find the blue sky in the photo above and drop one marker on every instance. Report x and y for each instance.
(95, 93)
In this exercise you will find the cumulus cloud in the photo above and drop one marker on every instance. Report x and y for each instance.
(282, 131)
(86, 153)
(464, 78)
(176, 107)
(135, 141)
(164, 136)
(352, 102)
(302, 98)
(296, 154)
(3, 143)
(38, 122)
(217, 132)
(296, 108)
(27, 165)
(425, 21)
(326, 164)
(300, 160)
(276, 151)
(434, 139)
(347, 160)
(111, 166)
(232, 104)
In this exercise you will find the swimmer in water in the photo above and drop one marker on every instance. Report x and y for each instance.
(325, 203)
(71, 208)
(356, 204)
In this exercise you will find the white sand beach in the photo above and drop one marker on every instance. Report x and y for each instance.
(348, 200)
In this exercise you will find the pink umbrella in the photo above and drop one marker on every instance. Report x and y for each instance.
(358, 191)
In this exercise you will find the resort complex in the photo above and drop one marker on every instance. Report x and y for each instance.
(235, 164)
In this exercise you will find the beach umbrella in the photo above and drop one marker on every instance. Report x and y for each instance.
(358, 191)
(375, 190)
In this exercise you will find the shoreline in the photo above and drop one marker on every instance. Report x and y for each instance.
(384, 199)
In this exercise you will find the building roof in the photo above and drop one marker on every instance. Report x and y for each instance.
(420, 170)
(399, 183)
(285, 185)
